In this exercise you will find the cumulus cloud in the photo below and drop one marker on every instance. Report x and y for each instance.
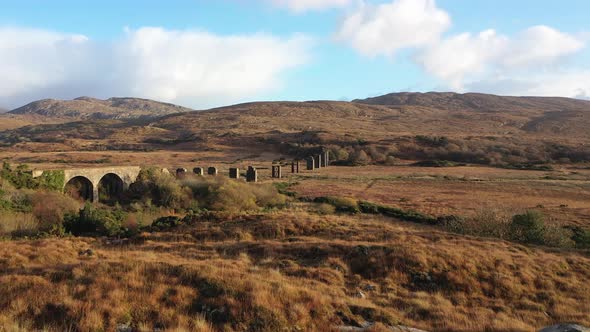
(193, 68)
(560, 82)
(299, 6)
(533, 61)
(467, 58)
(386, 28)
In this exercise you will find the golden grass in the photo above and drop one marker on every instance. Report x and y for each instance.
(292, 269)
(23, 223)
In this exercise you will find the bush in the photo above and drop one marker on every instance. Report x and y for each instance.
(165, 223)
(341, 204)
(359, 158)
(325, 209)
(528, 228)
(161, 189)
(93, 221)
(50, 208)
(486, 223)
(20, 177)
(581, 237)
(222, 194)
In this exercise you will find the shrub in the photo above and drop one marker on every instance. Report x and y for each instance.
(488, 223)
(20, 177)
(50, 208)
(93, 221)
(165, 223)
(161, 189)
(267, 195)
(581, 237)
(359, 158)
(341, 204)
(222, 194)
(528, 227)
(325, 209)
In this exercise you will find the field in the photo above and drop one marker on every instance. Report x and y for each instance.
(295, 271)
(441, 212)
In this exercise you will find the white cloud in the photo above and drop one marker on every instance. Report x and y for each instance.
(532, 62)
(565, 83)
(299, 6)
(454, 58)
(465, 58)
(194, 68)
(386, 28)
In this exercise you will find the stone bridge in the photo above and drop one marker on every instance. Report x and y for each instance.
(92, 183)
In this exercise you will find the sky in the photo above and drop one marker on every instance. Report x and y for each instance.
(208, 53)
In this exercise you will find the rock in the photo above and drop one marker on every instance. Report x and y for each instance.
(368, 326)
(566, 328)
(360, 295)
(87, 252)
(369, 287)
(401, 328)
(124, 328)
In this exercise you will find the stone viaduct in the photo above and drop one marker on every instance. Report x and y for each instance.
(89, 182)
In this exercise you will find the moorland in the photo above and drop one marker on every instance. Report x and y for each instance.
(440, 211)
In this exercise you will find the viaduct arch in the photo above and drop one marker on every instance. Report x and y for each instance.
(90, 182)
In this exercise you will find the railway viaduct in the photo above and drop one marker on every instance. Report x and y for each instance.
(90, 182)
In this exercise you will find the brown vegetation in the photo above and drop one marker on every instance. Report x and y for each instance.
(291, 270)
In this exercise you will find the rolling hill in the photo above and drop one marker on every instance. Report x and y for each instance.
(86, 108)
(479, 102)
(476, 127)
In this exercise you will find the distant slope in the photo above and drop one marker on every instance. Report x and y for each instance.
(546, 115)
(510, 122)
(86, 108)
(478, 102)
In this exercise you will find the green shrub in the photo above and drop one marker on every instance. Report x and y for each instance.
(20, 177)
(528, 227)
(93, 221)
(160, 189)
(51, 180)
(342, 204)
(165, 223)
(283, 188)
(581, 237)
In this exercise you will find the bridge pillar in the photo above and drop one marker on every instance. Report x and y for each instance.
(95, 198)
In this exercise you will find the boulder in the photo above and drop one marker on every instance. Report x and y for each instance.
(566, 328)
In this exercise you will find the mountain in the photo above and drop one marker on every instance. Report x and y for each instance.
(473, 127)
(86, 108)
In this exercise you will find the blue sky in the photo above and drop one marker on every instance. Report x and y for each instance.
(209, 53)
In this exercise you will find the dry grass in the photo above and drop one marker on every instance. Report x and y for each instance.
(17, 223)
(291, 269)
(460, 191)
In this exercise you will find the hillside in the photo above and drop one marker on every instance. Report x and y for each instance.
(86, 108)
(478, 102)
(472, 128)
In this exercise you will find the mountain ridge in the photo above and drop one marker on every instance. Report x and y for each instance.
(476, 101)
(89, 108)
